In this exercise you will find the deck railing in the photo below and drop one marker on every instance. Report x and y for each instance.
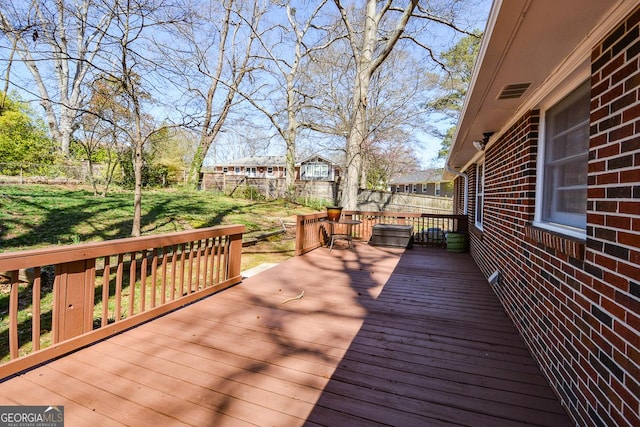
(428, 229)
(58, 299)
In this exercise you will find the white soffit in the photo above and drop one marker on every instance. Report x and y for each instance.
(526, 43)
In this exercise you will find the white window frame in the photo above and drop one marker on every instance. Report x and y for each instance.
(479, 213)
(437, 192)
(316, 170)
(539, 218)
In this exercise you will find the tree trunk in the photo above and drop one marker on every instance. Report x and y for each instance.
(290, 139)
(193, 179)
(290, 168)
(358, 130)
(353, 164)
(137, 195)
(367, 60)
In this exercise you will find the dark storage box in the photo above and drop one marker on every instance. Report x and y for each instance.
(393, 235)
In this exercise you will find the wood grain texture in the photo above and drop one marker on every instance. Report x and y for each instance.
(381, 337)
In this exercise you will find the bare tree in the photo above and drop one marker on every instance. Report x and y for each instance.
(131, 23)
(135, 74)
(244, 141)
(394, 114)
(369, 51)
(287, 49)
(102, 135)
(210, 56)
(373, 34)
(58, 42)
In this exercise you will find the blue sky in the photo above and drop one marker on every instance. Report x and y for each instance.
(426, 146)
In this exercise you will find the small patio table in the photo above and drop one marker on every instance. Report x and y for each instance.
(345, 234)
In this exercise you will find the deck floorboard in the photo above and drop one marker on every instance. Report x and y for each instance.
(381, 336)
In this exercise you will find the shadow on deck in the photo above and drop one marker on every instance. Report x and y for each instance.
(381, 337)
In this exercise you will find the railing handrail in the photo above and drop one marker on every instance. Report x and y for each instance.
(61, 254)
(162, 272)
(310, 231)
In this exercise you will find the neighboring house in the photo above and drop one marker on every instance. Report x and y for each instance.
(313, 168)
(552, 190)
(427, 182)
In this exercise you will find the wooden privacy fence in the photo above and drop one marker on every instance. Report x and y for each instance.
(428, 229)
(59, 299)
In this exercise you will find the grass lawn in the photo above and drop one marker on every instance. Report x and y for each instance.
(34, 216)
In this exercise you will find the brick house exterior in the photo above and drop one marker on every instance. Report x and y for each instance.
(572, 290)
(312, 168)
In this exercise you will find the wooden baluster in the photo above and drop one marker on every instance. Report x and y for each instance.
(163, 286)
(132, 282)
(190, 269)
(174, 271)
(14, 344)
(183, 256)
(35, 308)
(143, 282)
(154, 270)
(205, 267)
(199, 283)
(106, 273)
(117, 315)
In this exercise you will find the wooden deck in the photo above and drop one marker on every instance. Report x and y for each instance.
(381, 337)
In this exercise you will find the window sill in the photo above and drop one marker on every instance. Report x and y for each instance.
(569, 246)
(477, 232)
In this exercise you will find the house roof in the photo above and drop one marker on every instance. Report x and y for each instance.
(539, 43)
(429, 175)
(273, 161)
(257, 161)
(315, 157)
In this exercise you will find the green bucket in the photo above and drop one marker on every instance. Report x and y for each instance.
(456, 242)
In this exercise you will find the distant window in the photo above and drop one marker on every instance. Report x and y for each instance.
(437, 188)
(479, 195)
(225, 169)
(238, 169)
(269, 171)
(565, 153)
(315, 170)
(251, 171)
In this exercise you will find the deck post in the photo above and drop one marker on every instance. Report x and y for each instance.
(299, 234)
(235, 254)
(73, 299)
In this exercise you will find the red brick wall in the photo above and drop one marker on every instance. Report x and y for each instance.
(576, 303)
(458, 196)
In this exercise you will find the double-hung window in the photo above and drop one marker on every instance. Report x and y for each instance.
(562, 203)
(315, 170)
(479, 194)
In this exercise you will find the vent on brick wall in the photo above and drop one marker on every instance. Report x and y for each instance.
(513, 91)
